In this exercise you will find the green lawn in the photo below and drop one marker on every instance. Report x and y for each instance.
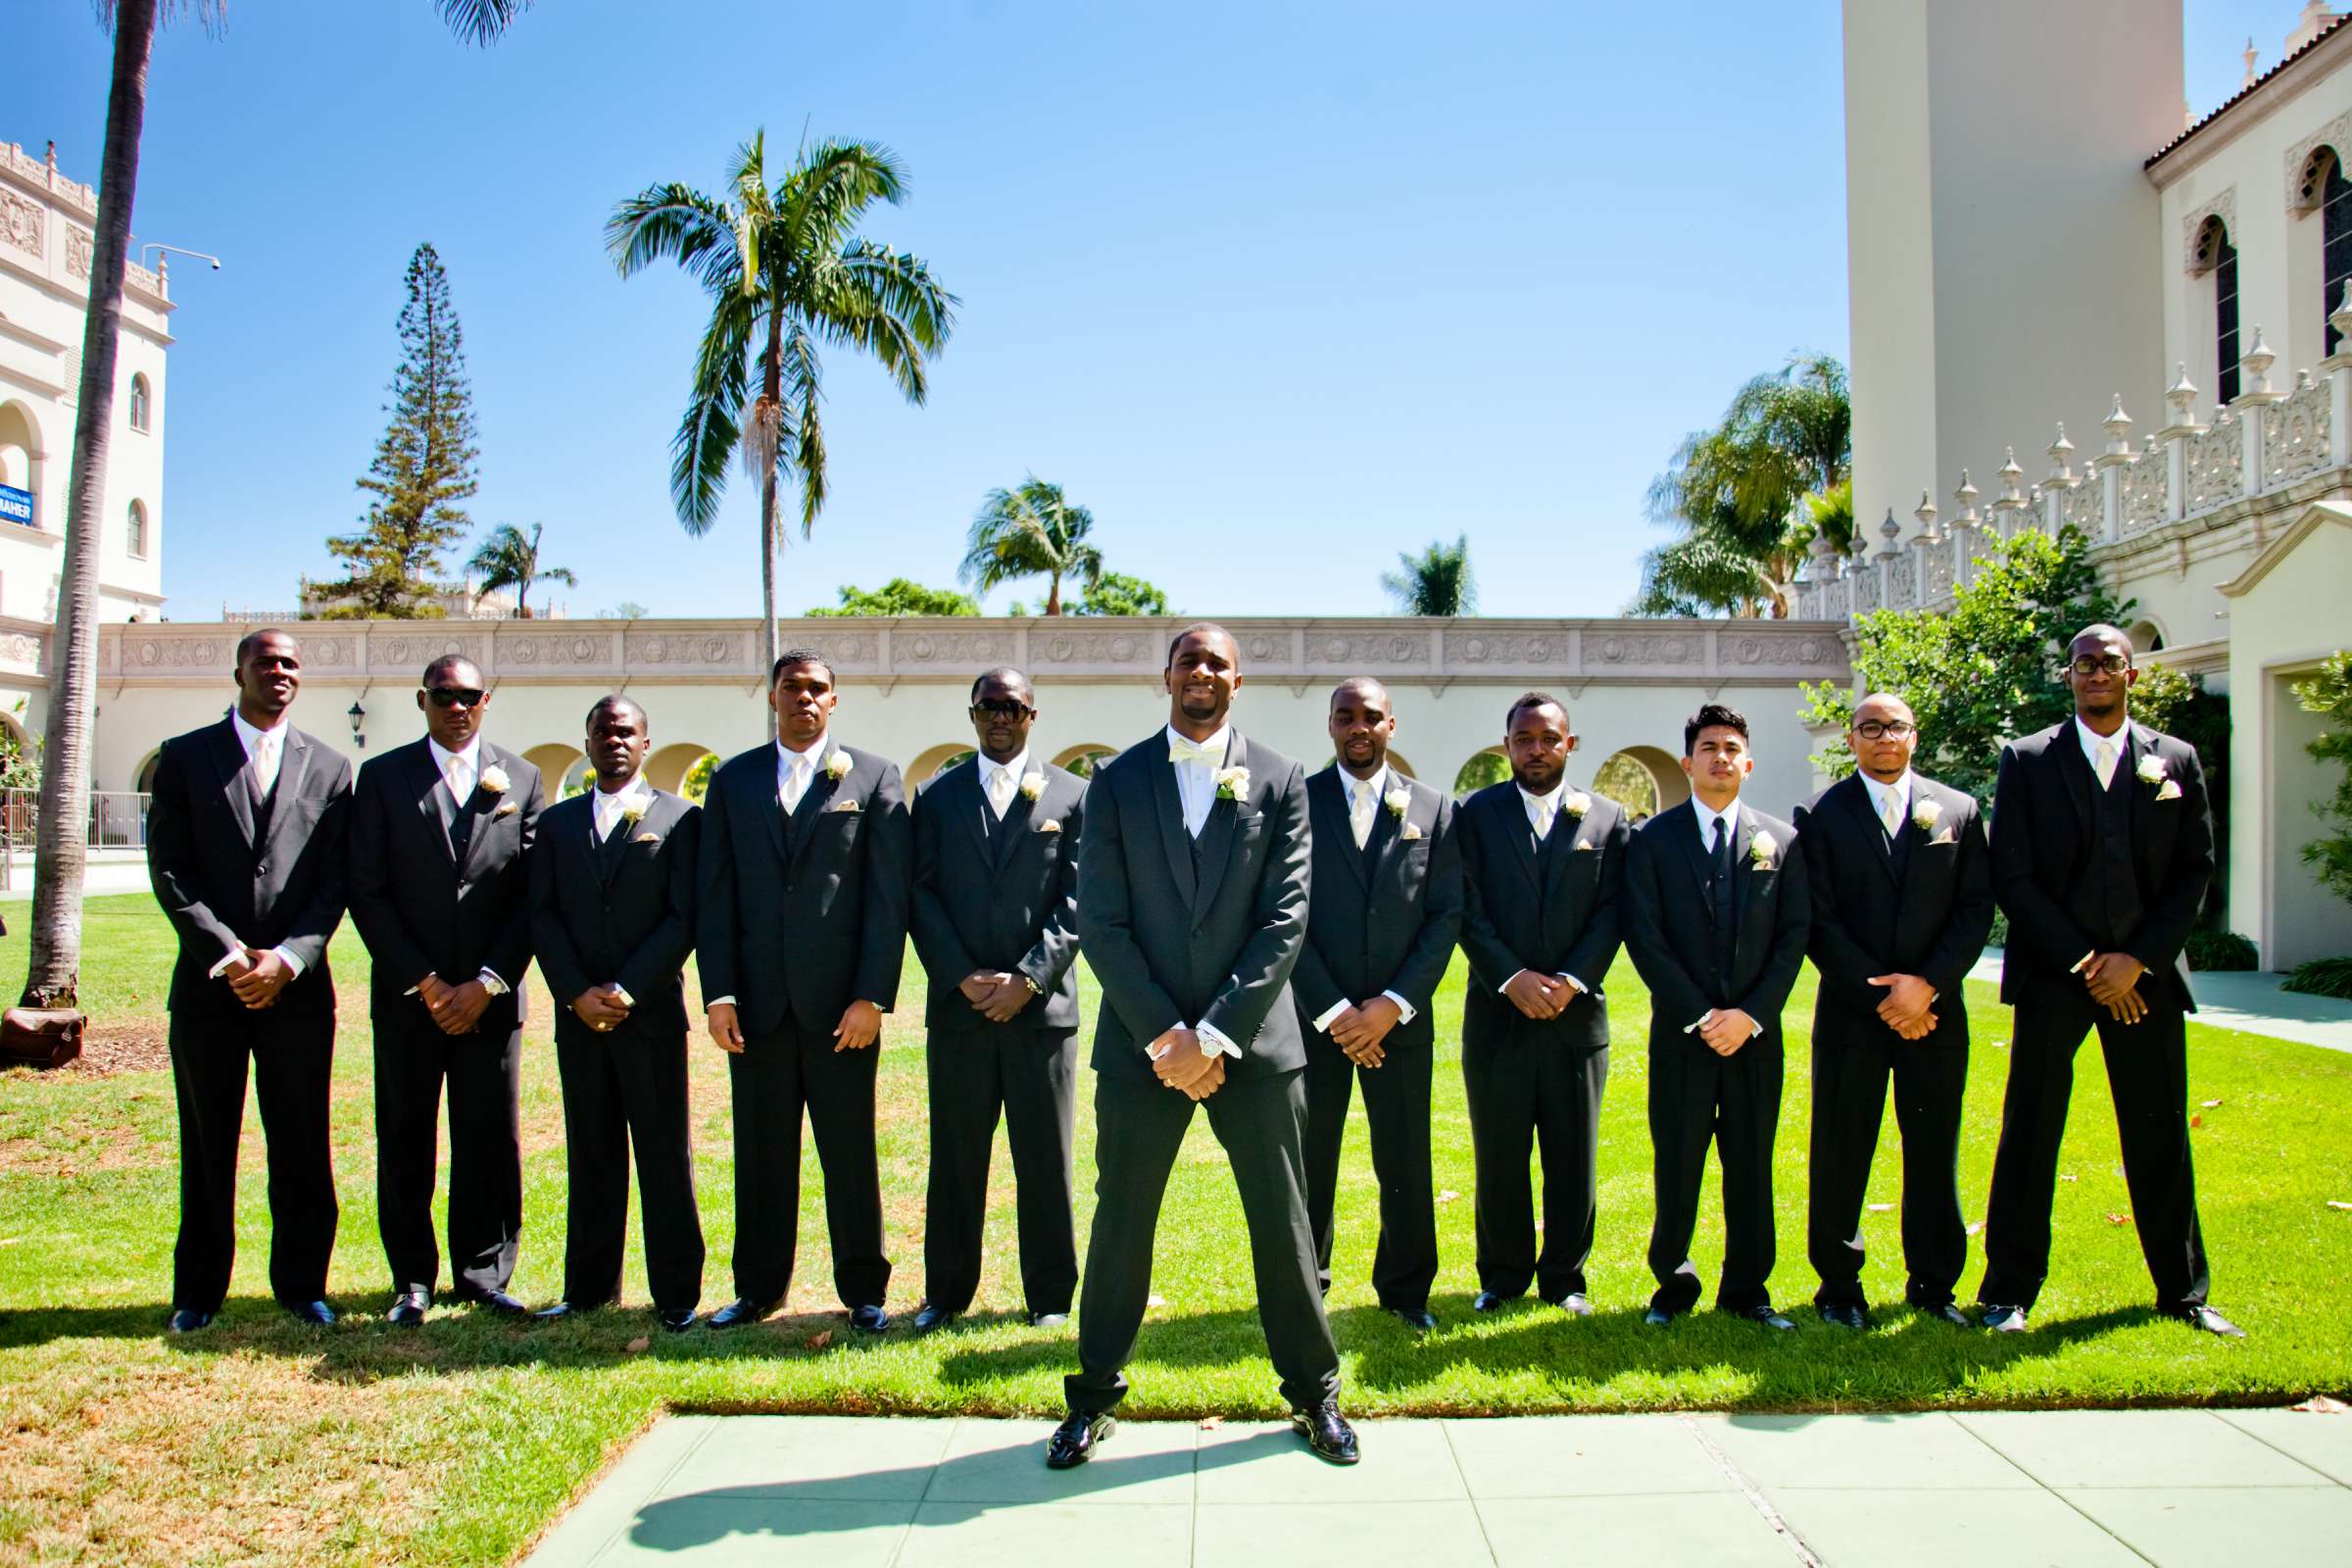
(260, 1440)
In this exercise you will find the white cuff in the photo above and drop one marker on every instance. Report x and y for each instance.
(227, 958)
(492, 983)
(717, 1001)
(1324, 1022)
(621, 994)
(1404, 1008)
(418, 987)
(1506, 985)
(2085, 959)
(291, 961)
(1213, 1042)
(1582, 988)
(1701, 1023)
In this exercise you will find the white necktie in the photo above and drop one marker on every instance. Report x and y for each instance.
(1000, 791)
(796, 783)
(2103, 763)
(1543, 827)
(1890, 814)
(454, 771)
(265, 761)
(1359, 815)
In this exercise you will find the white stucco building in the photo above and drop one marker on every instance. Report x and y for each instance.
(2057, 246)
(46, 250)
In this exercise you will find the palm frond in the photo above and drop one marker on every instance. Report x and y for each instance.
(679, 224)
(803, 389)
(713, 425)
(480, 21)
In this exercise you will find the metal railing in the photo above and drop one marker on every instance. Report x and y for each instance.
(118, 820)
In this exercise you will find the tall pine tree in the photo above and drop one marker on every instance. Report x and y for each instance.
(423, 466)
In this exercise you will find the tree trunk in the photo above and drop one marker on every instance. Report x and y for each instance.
(53, 978)
(1053, 594)
(770, 526)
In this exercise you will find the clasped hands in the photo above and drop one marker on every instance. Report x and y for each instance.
(603, 1008)
(996, 995)
(1360, 1031)
(1907, 1009)
(2113, 978)
(1178, 1062)
(860, 1027)
(457, 1008)
(257, 975)
(1540, 996)
(1724, 1030)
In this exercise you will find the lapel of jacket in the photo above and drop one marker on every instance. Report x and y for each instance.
(815, 800)
(481, 804)
(2075, 776)
(425, 779)
(1168, 808)
(1221, 832)
(228, 759)
(1863, 810)
(1568, 830)
(1511, 806)
(1326, 818)
(293, 766)
(606, 854)
(1386, 826)
(963, 800)
(1743, 839)
(1691, 836)
(1018, 812)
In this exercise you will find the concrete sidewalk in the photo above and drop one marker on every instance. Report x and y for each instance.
(2252, 1002)
(2075, 1488)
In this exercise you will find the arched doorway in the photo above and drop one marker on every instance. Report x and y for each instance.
(1484, 768)
(938, 759)
(1642, 779)
(1083, 759)
(671, 768)
(555, 761)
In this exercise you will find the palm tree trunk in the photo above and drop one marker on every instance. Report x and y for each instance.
(1053, 594)
(53, 978)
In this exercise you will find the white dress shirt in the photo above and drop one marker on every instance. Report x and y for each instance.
(1728, 817)
(461, 772)
(265, 751)
(1543, 820)
(1000, 781)
(2118, 744)
(1892, 802)
(609, 806)
(1359, 791)
(1195, 763)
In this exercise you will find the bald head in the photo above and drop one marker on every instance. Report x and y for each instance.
(1362, 722)
(1882, 736)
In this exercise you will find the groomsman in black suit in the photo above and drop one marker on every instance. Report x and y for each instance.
(805, 872)
(611, 922)
(1385, 907)
(245, 848)
(1902, 901)
(1192, 901)
(1546, 865)
(996, 925)
(1717, 912)
(440, 889)
(2100, 858)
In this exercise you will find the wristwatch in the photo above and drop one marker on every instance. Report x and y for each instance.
(1035, 989)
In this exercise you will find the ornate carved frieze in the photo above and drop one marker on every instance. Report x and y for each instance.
(2303, 186)
(554, 651)
(20, 222)
(951, 646)
(81, 251)
(2197, 258)
(413, 651)
(1106, 647)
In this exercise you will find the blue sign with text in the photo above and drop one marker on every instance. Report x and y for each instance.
(15, 505)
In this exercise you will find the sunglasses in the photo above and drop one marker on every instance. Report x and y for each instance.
(456, 696)
(2111, 664)
(1004, 708)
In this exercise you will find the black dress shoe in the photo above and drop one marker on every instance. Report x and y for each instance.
(1486, 1301)
(1327, 1432)
(186, 1320)
(1073, 1441)
(1846, 1315)
(1948, 1313)
(1575, 1304)
(409, 1308)
(564, 1310)
(740, 1311)
(1049, 1320)
(2207, 1319)
(1657, 1317)
(2006, 1319)
(1418, 1318)
(317, 1314)
(927, 1317)
(868, 1319)
(675, 1319)
(1763, 1313)
(495, 1300)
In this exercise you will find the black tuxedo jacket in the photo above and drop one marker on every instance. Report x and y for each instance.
(1669, 919)
(419, 908)
(2041, 848)
(1011, 906)
(1555, 913)
(221, 887)
(621, 910)
(1171, 948)
(798, 916)
(1383, 918)
(1921, 906)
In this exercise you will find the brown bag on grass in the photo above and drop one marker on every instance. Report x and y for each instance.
(39, 1037)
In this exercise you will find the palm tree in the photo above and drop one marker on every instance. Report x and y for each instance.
(53, 973)
(1435, 582)
(510, 559)
(1030, 532)
(784, 270)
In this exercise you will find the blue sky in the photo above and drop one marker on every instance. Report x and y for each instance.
(1277, 289)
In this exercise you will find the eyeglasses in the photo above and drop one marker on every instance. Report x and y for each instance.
(1874, 729)
(456, 696)
(2110, 664)
(1001, 708)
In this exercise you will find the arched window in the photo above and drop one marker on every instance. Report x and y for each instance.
(139, 409)
(2336, 242)
(138, 538)
(2225, 317)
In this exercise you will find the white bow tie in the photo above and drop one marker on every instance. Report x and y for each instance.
(1181, 749)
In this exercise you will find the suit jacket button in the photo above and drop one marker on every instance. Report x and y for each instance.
(261, 868)
(461, 886)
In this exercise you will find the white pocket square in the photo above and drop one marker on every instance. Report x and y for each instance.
(2170, 792)
(1410, 832)
(507, 808)
(649, 838)
(843, 806)
(1048, 827)
(1583, 845)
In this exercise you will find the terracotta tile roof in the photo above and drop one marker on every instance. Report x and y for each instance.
(2247, 91)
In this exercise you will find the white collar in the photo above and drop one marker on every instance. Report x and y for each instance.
(250, 736)
(2092, 740)
(1219, 744)
(1541, 803)
(1899, 790)
(1706, 817)
(1016, 769)
(786, 756)
(636, 789)
(471, 756)
(1351, 786)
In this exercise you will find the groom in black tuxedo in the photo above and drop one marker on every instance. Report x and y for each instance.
(440, 890)
(1717, 912)
(801, 931)
(1545, 869)
(2100, 859)
(612, 921)
(1192, 903)
(996, 925)
(1382, 919)
(245, 848)
(1902, 901)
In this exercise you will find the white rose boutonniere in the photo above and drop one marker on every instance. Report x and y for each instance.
(1576, 803)
(1232, 783)
(1033, 784)
(1925, 815)
(2151, 768)
(838, 765)
(1398, 801)
(1761, 850)
(494, 780)
(633, 813)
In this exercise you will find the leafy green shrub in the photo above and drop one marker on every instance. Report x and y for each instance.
(2220, 949)
(2000, 929)
(2323, 977)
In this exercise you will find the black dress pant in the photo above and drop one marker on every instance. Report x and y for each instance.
(622, 1089)
(1404, 1263)
(2147, 1072)
(774, 1078)
(293, 1057)
(1696, 1098)
(1526, 1097)
(1031, 1076)
(1139, 1127)
(413, 1061)
(1854, 1055)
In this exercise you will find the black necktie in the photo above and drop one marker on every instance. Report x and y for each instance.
(1719, 894)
